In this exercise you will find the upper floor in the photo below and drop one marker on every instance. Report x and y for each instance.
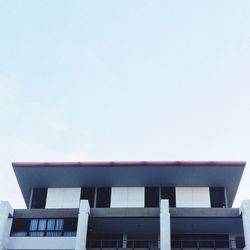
(129, 184)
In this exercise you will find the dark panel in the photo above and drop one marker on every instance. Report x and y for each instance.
(103, 197)
(124, 212)
(46, 213)
(88, 194)
(205, 212)
(217, 197)
(207, 225)
(39, 198)
(169, 193)
(151, 197)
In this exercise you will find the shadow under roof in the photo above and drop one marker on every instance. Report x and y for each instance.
(129, 174)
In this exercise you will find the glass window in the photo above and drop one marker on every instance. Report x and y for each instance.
(33, 224)
(217, 197)
(42, 225)
(88, 194)
(51, 224)
(39, 198)
(169, 193)
(151, 197)
(103, 197)
(59, 224)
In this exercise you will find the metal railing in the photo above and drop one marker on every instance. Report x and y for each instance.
(155, 244)
(116, 244)
(207, 244)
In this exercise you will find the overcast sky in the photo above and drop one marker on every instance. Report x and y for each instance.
(123, 80)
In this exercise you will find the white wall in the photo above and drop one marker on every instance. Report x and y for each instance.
(127, 197)
(192, 197)
(5, 223)
(41, 243)
(63, 198)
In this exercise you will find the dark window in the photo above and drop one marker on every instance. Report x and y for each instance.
(39, 198)
(70, 226)
(103, 197)
(217, 197)
(151, 197)
(240, 242)
(20, 227)
(169, 193)
(88, 194)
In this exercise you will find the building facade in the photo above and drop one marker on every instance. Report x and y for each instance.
(126, 205)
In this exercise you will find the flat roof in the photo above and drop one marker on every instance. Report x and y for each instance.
(129, 163)
(121, 173)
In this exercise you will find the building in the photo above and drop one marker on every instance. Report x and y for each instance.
(132, 205)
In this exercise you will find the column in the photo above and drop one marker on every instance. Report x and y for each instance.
(5, 223)
(232, 241)
(245, 211)
(124, 241)
(82, 225)
(165, 238)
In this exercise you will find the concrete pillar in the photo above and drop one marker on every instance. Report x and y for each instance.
(82, 225)
(165, 235)
(124, 241)
(245, 211)
(232, 241)
(6, 211)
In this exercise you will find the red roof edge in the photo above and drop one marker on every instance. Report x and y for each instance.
(128, 163)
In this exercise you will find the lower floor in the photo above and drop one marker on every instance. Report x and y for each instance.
(124, 228)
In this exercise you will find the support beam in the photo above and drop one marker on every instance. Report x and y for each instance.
(165, 236)
(245, 211)
(82, 225)
(6, 212)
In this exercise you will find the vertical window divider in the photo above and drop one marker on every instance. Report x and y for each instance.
(95, 197)
(159, 196)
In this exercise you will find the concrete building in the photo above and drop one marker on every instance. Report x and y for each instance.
(127, 205)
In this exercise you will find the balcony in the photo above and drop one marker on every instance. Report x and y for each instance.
(142, 244)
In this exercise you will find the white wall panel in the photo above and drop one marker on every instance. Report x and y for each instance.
(127, 197)
(63, 197)
(192, 197)
(42, 243)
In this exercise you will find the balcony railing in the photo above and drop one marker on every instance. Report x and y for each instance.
(117, 244)
(155, 244)
(206, 244)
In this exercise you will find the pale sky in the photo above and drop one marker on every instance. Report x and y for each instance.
(123, 80)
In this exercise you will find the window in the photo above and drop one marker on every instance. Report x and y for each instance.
(44, 227)
(151, 197)
(70, 227)
(88, 194)
(20, 227)
(39, 198)
(217, 197)
(103, 197)
(169, 193)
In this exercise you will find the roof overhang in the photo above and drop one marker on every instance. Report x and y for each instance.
(115, 174)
